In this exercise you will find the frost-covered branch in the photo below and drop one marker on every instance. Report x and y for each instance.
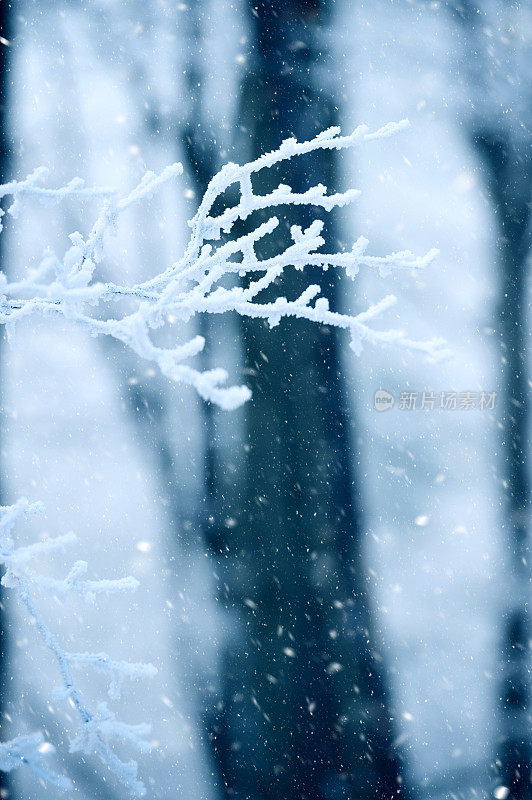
(192, 285)
(30, 750)
(98, 728)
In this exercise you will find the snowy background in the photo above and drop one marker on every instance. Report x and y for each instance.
(97, 90)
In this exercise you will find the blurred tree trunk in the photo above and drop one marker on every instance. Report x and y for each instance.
(304, 707)
(509, 178)
(5, 19)
(500, 129)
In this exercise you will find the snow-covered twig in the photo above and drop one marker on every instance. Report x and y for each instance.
(97, 728)
(31, 187)
(30, 750)
(192, 285)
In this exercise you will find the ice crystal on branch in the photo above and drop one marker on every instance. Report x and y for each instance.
(98, 728)
(192, 285)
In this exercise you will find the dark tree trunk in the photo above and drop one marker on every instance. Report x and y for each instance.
(304, 707)
(509, 171)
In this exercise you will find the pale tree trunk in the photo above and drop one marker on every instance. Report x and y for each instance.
(5, 36)
(501, 137)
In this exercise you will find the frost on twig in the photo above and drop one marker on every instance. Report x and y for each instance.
(30, 750)
(66, 286)
(98, 728)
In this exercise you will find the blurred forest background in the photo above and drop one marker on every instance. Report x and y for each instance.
(336, 599)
